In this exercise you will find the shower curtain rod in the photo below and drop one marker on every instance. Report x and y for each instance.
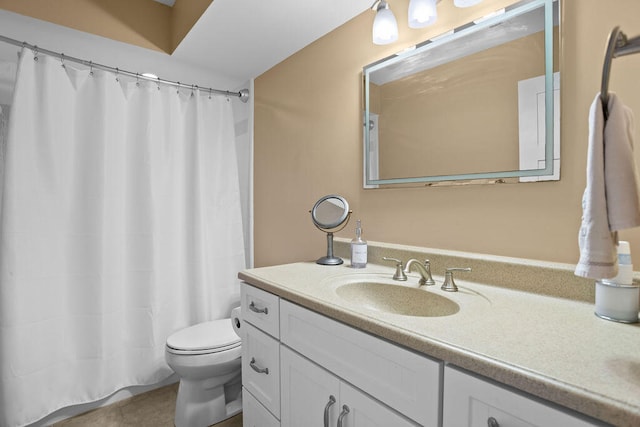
(242, 94)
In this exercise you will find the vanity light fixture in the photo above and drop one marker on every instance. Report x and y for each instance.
(421, 14)
(385, 26)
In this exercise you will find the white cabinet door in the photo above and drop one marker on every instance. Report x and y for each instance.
(404, 380)
(364, 411)
(309, 392)
(254, 414)
(471, 401)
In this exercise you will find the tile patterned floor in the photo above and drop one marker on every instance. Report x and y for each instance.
(153, 409)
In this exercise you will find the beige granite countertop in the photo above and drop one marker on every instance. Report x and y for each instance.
(552, 347)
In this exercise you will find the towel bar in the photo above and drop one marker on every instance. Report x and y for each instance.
(617, 45)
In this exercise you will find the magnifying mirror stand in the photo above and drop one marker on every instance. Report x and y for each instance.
(329, 259)
(330, 214)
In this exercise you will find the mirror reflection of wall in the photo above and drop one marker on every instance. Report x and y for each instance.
(457, 111)
(467, 112)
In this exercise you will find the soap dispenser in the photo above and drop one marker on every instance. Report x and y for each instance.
(358, 249)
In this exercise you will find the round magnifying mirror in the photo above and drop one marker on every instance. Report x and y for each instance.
(331, 213)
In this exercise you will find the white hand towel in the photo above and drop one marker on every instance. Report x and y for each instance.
(611, 200)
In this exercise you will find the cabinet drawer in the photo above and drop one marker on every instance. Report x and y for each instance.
(402, 379)
(261, 309)
(471, 401)
(261, 367)
(254, 414)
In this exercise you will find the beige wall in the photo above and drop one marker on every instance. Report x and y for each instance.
(143, 23)
(308, 143)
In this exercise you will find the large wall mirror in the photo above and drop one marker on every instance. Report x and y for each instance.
(479, 102)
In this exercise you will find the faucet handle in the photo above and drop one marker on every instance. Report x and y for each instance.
(399, 274)
(429, 280)
(449, 285)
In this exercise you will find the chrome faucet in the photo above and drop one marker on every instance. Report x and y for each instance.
(423, 269)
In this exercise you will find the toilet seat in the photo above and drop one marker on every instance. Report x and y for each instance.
(209, 337)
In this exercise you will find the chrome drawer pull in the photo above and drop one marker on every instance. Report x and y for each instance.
(492, 422)
(331, 401)
(258, 369)
(255, 309)
(345, 411)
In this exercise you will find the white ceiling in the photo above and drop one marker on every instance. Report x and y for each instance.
(242, 39)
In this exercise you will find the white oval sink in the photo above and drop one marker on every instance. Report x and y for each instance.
(397, 299)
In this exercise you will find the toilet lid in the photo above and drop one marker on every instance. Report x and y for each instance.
(216, 334)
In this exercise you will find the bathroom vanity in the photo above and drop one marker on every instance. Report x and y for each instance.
(320, 348)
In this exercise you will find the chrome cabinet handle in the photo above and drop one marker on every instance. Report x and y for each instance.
(492, 422)
(330, 403)
(345, 411)
(255, 309)
(258, 369)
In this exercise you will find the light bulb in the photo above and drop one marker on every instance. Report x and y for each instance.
(422, 13)
(385, 26)
(466, 3)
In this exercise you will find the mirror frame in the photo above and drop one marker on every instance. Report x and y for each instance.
(339, 221)
(518, 8)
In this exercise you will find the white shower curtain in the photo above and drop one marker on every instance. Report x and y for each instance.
(120, 223)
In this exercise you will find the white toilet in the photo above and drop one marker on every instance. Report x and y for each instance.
(206, 357)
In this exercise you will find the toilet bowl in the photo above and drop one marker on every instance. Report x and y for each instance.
(206, 358)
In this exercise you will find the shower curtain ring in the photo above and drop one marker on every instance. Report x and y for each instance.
(35, 53)
(158, 82)
(91, 68)
(62, 60)
(210, 90)
(137, 79)
(178, 90)
(117, 74)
